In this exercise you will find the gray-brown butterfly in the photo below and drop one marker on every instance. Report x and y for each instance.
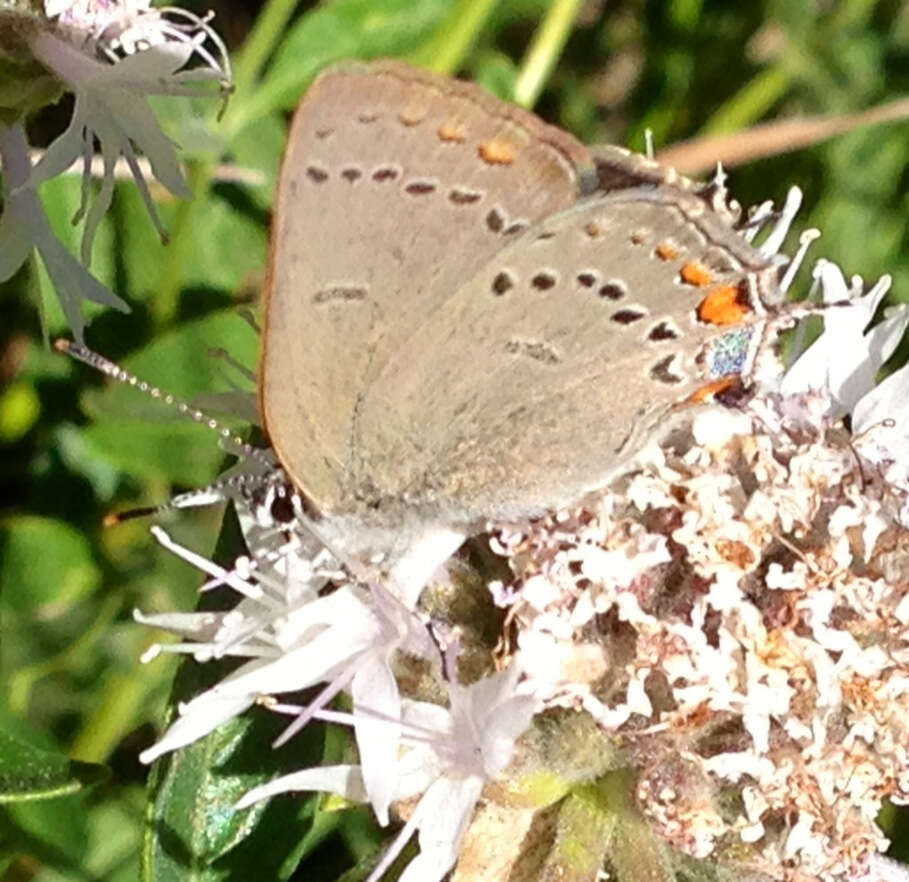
(470, 316)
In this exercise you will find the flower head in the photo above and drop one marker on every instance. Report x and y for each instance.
(111, 56)
(728, 619)
(448, 755)
(734, 613)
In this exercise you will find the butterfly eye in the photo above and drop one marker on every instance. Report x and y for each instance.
(282, 508)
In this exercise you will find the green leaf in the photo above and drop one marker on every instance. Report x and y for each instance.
(187, 455)
(28, 772)
(193, 831)
(496, 73)
(222, 250)
(332, 32)
(45, 565)
(227, 247)
(143, 437)
(182, 362)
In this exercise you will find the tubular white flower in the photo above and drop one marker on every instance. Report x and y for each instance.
(111, 58)
(449, 755)
(845, 359)
(296, 639)
(24, 226)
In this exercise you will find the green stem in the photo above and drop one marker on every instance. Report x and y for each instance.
(544, 51)
(447, 48)
(267, 30)
(163, 306)
(750, 103)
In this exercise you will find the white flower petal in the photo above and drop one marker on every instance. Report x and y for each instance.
(314, 662)
(199, 717)
(344, 781)
(376, 707)
(889, 400)
(839, 359)
(417, 768)
(200, 625)
(446, 810)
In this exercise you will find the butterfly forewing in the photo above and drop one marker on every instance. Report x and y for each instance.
(396, 188)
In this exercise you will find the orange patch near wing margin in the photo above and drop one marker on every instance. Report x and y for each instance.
(724, 305)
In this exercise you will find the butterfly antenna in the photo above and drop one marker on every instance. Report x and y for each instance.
(215, 492)
(115, 372)
(245, 484)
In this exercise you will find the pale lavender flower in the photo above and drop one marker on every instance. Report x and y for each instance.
(295, 639)
(24, 226)
(448, 755)
(111, 56)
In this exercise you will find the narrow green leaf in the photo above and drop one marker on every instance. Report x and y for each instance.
(750, 103)
(332, 32)
(260, 43)
(29, 773)
(545, 50)
(455, 36)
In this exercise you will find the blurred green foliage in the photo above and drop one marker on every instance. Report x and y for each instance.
(73, 449)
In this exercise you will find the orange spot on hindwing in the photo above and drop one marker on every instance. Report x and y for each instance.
(724, 305)
(715, 387)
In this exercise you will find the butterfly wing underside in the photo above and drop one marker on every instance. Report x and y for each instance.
(397, 186)
(584, 340)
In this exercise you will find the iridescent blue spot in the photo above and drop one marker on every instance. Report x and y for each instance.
(727, 354)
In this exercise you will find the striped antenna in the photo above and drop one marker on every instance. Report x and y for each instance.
(245, 484)
(205, 496)
(115, 372)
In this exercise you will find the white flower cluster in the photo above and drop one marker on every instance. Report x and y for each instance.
(111, 55)
(299, 628)
(736, 612)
